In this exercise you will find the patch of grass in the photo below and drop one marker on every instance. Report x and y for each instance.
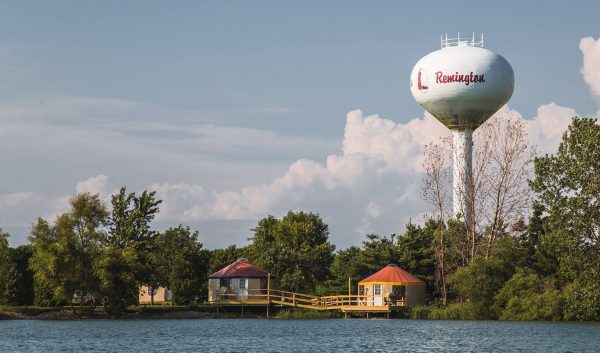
(147, 309)
(306, 314)
(449, 312)
(30, 310)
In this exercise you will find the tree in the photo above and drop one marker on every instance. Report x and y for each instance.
(8, 273)
(379, 251)
(24, 284)
(527, 296)
(416, 252)
(131, 216)
(65, 254)
(116, 270)
(130, 234)
(568, 189)
(295, 249)
(47, 264)
(497, 192)
(185, 263)
(478, 283)
(347, 263)
(435, 192)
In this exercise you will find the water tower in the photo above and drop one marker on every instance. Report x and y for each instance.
(462, 85)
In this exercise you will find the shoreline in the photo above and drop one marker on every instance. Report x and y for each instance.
(137, 313)
(158, 313)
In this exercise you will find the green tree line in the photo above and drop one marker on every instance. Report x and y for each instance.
(546, 267)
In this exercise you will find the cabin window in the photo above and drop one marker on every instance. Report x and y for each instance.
(377, 289)
(224, 283)
(399, 291)
(242, 284)
(361, 290)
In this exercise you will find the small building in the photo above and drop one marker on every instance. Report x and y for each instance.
(162, 295)
(241, 280)
(391, 286)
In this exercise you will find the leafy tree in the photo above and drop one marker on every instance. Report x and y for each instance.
(47, 263)
(379, 251)
(185, 263)
(130, 218)
(416, 254)
(116, 271)
(582, 298)
(347, 263)
(568, 188)
(24, 284)
(130, 232)
(479, 282)
(537, 254)
(295, 249)
(8, 273)
(527, 296)
(65, 254)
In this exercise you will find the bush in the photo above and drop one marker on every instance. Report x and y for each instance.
(527, 296)
(582, 301)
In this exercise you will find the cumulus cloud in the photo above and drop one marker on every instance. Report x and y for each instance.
(374, 150)
(545, 130)
(591, 63)
(372, 185)
(93, 185)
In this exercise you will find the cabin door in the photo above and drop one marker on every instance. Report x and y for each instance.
(242, 292)
(377, 297)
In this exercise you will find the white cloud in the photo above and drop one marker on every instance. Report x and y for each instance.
(93, 185)
(372, 185)
(591, 63)
(545, 130)
(21, 209)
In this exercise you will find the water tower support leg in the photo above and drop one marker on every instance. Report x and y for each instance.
(462, 141)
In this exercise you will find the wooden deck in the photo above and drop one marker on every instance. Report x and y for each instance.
(343, 303)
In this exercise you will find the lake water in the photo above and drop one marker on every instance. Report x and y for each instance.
(253, 335)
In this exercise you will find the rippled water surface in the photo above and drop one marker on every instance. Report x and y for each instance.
(251, 335)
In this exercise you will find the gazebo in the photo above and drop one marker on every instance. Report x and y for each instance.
(391, 286)
(241, 280)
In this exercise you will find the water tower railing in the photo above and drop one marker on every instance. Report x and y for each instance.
(458, 40)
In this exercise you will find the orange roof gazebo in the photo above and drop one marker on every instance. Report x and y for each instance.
(391, 274)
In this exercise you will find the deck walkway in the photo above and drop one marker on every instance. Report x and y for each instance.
(343, 303)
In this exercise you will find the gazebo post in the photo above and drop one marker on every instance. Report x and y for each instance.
(268, 293)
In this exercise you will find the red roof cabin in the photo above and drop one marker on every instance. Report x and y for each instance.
(241, 280)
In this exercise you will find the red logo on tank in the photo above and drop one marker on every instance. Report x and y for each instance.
(422, 82)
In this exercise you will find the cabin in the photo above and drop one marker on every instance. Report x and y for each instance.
(391, 286)
(241, 280)
(162, 295)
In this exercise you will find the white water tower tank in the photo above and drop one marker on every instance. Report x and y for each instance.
(462, 85)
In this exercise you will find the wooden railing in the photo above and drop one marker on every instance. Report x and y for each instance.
(258, 296)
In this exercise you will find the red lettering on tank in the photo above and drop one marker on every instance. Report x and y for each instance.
(459, 78)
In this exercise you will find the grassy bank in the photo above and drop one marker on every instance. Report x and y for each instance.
(307, 314)
(450, 312)
(133, 312)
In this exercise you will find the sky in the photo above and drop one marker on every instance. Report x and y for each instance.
(233, 110)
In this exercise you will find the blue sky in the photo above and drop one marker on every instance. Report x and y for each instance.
(226, 95)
